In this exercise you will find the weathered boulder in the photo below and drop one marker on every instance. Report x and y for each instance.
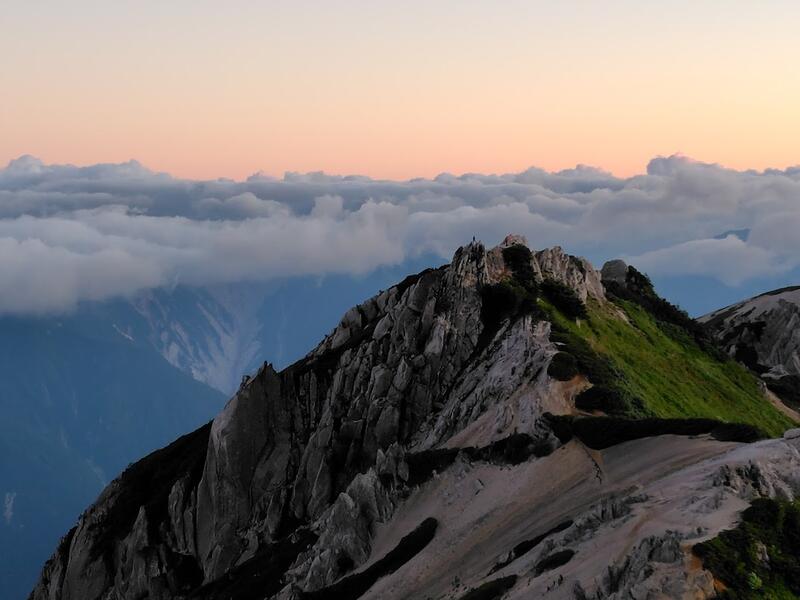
(615, 271)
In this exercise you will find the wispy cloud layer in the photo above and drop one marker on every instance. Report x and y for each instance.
(69, 234)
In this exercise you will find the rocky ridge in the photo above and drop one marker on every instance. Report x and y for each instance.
(764, 334)
(314, 480)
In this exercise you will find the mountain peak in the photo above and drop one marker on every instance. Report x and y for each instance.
(420, 365)
(439, 416)
(514, 239)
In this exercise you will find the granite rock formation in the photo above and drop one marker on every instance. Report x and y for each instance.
(408, 455)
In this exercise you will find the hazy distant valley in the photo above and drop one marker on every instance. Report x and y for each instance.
(87, 393)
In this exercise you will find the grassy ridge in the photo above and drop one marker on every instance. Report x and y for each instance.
(662, 366)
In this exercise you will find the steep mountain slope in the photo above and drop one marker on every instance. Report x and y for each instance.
(76, 409)
(103, 360)
(686, 372)
(439, 440)
(764, 333)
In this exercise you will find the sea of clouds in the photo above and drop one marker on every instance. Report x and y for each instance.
(69, 234)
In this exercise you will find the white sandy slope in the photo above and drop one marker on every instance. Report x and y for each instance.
(637, 507)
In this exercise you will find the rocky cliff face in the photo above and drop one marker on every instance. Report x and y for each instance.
(764, 333)
(409, 455)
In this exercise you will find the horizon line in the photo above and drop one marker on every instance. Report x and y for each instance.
(288, 174)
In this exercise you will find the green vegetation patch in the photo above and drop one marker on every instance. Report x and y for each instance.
(658, 373)
(638, 289)
(595, 365)
(564, 298)
(491, 590)
(603, 398)
(505, 300)
(512, 450)
(599, 433)
(519, 259)
(563, 366)
(761, 557)
(511, 298)
(553, 561)
(526, 546)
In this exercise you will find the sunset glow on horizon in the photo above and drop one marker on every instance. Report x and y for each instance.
(399, 91)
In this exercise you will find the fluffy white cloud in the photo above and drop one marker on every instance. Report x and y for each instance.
(39, 278)
(87, 233)
(730, 260)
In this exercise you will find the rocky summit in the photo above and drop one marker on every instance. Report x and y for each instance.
(514, 424)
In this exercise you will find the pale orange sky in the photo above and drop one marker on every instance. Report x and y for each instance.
(399, 90)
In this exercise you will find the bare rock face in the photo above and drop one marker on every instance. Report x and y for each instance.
(323, 474)
(615, 271)
(575, 272)
(764, 334)
(320, 445)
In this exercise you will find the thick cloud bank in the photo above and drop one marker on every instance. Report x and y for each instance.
(69, 233)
